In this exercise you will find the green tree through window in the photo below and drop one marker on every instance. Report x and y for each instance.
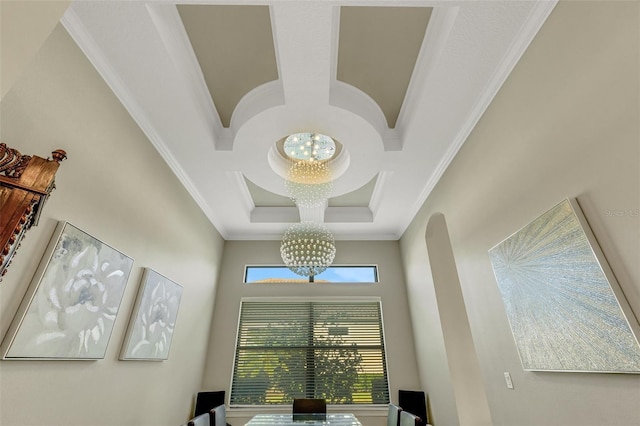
(331, 350)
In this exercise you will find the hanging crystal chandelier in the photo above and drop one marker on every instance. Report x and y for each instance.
(309, 146)
(309, 183)
(308, 248)
(309, 172)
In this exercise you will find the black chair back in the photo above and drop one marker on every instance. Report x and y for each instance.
(309, 406)
(205, 401)
(414, 402)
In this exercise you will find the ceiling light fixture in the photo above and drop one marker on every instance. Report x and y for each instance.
(308, 248)
(309, 147)
(309, 184)
(309, 196)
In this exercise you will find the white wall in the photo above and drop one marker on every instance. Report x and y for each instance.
(401, 359)
(116, 187)
(565, 124)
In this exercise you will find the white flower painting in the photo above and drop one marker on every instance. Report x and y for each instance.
(71, 306)
(154, 319)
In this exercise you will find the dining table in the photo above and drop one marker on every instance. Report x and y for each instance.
(329, 419)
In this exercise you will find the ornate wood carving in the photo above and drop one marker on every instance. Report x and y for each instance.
(25, 183)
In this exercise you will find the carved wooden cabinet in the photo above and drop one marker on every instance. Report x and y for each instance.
(25, 183)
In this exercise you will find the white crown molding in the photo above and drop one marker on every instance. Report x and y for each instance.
(348, 215)
(275, 215)
(536, 19)
(76, 29)
(436, 36)
(243, 192)
(378, 190)
(348, 97)
(259, 99)
(176, 41)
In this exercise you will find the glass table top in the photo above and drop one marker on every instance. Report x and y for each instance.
(329, 419)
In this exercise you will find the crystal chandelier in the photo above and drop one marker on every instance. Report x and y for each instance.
(309, 172)
(309, 195)
(309, 183)
(309, 146)
(308, 248)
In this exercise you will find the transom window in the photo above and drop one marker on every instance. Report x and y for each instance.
(310, 349)
(256, 274)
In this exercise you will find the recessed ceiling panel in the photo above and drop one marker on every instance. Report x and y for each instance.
(377, 51)
(234, 46)
(263, 198)
(361, 197)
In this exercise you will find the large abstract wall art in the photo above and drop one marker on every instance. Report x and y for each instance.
(564, 305)
(154, 319)
(71, 305)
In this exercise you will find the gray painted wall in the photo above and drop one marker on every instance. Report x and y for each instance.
(401, 361)
(116, 187)
(565, 124)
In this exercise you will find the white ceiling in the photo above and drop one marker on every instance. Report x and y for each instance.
(144, 53)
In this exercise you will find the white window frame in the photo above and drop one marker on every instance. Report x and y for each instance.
(316, 280)
(345, 300)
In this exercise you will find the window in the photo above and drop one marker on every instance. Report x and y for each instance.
(310, 349)
(333, 274)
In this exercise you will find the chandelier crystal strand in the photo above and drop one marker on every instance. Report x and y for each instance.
(308, 248)
(309, 184)
(309, 172)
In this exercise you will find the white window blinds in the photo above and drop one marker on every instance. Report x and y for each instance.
(310, 349)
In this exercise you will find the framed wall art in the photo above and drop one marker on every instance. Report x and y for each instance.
(71, 305)
(566, 310)
(153, 320)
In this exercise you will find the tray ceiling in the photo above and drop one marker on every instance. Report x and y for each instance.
(217, 85)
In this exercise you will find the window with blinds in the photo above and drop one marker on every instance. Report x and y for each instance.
(310, 349)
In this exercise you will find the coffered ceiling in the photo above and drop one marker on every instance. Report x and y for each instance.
(217, 85)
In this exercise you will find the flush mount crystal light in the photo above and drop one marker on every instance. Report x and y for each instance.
(309, 147)
(308, 248)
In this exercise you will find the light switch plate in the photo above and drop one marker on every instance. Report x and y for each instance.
(507, 379)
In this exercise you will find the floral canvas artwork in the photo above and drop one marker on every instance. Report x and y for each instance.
(154, 319)
(71, 306)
